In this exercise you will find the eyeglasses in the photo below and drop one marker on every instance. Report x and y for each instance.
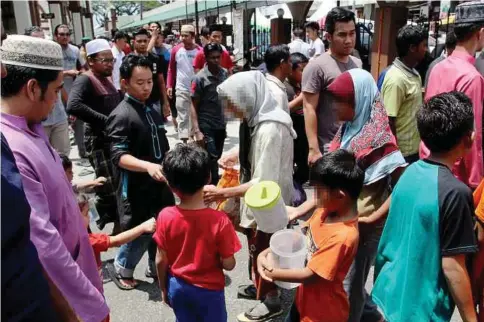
(62, 34)
(106, 60)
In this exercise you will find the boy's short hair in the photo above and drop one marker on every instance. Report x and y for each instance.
(297, 59)
(464, 31)
(187, 168)
(205, 32)
(215, 27)
(338, 170)
(130, 62)
(444, 120)
(211, 47)
(66, 162)
(408, 36)
(275, 55)
(312, 25)
(141, 32)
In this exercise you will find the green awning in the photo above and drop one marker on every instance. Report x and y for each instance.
(180, 12)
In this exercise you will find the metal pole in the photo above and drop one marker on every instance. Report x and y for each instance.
(141, 10)
(186, 10)
(218, 13)
(196, 16)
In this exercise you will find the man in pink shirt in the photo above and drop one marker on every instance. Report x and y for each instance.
(29, 91)
(458, 73)
(180, 74)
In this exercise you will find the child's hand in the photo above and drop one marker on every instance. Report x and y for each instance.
(212, 194)
(292, 213)
(100, 181)
(164, 297)
(149, 226)
(264, 265)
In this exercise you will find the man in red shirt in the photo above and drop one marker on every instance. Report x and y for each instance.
(215, 36)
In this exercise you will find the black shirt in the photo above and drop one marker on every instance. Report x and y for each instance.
(204, 90)
(136, 129)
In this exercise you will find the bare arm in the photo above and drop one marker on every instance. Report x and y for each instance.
(393, 127)
(299, 275)
(129, 162)
(310, 103)
(64, 96)
(302, 210)
(457, 278)
(212, 193)
(161, 269)
(228, 263)
(194, 115)
(147, 227)
(297, 102)
(166, 107)
(61, 306)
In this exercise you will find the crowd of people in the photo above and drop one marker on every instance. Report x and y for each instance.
(396, 165)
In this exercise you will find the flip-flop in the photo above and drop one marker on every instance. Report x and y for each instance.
(247, 292)
(116, 278)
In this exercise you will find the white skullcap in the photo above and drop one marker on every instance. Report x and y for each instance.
(97, 45)
(31, 52)
(187, 28)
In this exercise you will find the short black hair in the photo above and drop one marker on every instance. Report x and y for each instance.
(444, 120)
(66, 162)
(187, 168)
(338, 170)
(212, 47)
(18, 76)
(298, 32)
(120, 35)
(30, 30)
(297, 59)
(205, 32)
(464, 31)
(312, 24)
(337, 15)
(215, 27)
(157, 23)
(130, 62)
(450, 41)
(407, 36)
(275, 55)
(56, 29)
(141, 32)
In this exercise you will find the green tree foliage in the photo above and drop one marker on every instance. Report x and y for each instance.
(101, 9)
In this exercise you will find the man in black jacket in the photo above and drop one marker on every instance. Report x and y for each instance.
(138, 145)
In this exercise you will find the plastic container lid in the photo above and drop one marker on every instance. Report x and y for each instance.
(263, 195)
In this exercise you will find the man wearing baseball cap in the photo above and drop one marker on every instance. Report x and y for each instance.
(29, 91)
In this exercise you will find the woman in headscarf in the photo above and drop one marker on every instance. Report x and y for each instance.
(265, 153)
(366, 132)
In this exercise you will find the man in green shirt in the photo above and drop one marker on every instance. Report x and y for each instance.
(402, 89)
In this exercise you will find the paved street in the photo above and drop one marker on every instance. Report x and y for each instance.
(144, 303)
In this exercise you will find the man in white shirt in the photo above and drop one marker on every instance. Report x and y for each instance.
(298, 45)
(316, 45)
(119, 42)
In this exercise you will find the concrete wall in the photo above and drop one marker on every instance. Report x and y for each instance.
(22, 15)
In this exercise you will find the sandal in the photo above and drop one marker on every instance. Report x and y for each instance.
(117, 278)
(248, 292)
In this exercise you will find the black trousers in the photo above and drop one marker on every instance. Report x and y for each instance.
(214, 144)
(301, 150)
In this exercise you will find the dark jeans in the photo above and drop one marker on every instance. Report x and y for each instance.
(293, 315)
(301, 150)
(214, 144)
(172, 101)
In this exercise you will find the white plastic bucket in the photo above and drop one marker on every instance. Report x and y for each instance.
(289, 251)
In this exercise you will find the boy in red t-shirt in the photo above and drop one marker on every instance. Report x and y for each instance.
(195, 243)
(332, 239)
(102, 242)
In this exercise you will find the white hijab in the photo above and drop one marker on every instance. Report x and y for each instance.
(250, 93)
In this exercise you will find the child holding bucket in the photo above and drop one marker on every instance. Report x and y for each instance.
(195, 243)
(332, 239)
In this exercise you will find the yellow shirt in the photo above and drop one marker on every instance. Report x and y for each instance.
(402, 96)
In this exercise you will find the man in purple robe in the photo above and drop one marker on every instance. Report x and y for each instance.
(28, 93)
